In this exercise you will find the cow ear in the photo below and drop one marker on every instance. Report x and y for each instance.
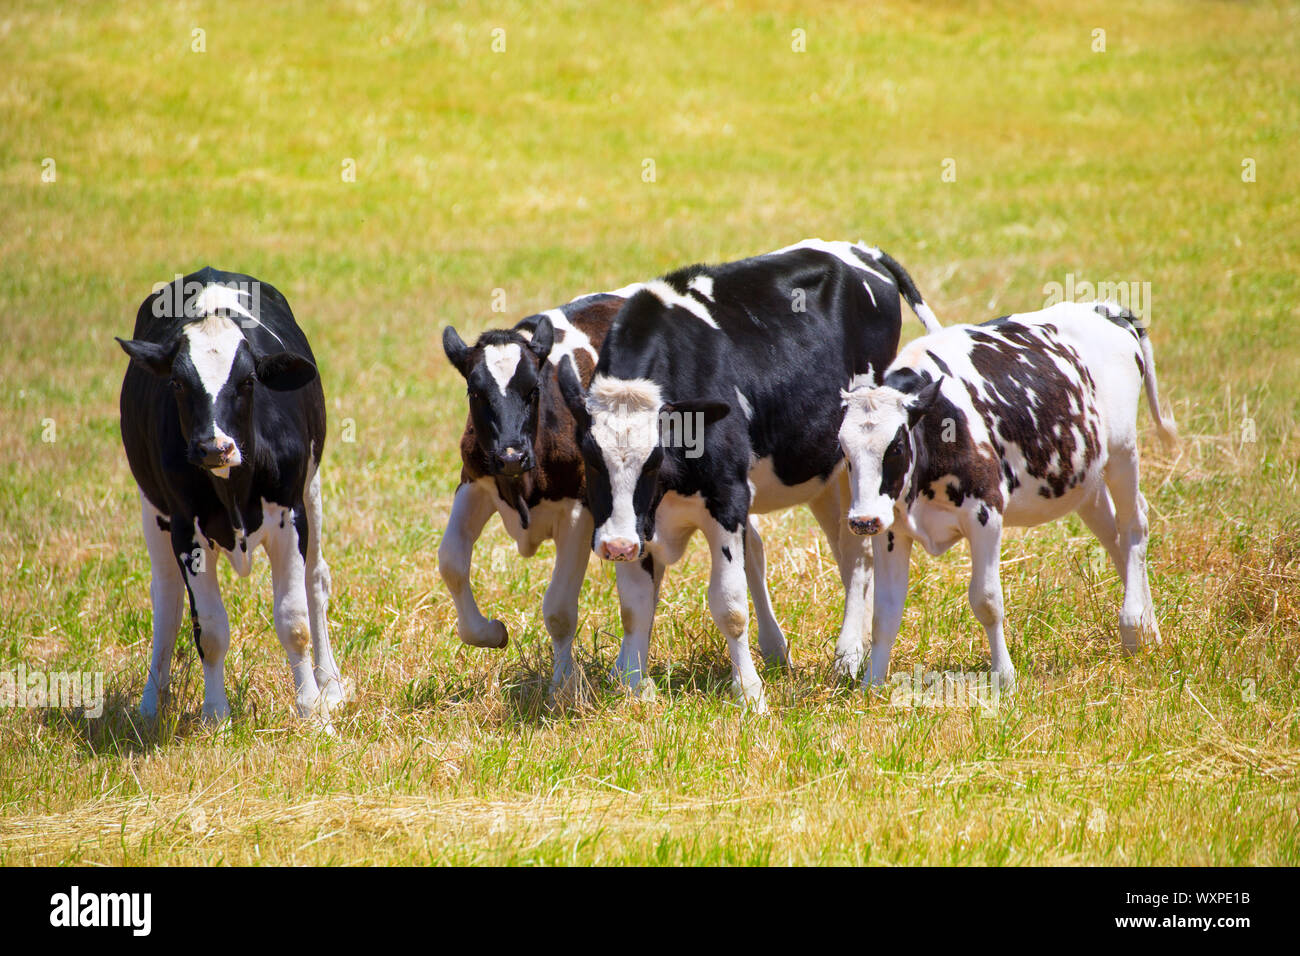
(543, 338)
(574, 396)
(284, 371)
(151, 356)
(711, 410)
(456, 349)
(923, 402)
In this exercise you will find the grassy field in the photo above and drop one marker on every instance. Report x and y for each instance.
(990, 147)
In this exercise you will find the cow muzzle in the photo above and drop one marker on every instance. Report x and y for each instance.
(513, 461)
(618, 549)
(865, 526)
(214, 453)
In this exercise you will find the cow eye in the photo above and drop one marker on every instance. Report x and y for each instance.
(246, 384)
(177, 385)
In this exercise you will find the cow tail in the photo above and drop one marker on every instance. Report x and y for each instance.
(908, 288)
(1164, 424)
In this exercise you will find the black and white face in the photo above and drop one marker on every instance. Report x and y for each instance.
(620, 426)
(877, 441)
(214, 376)
(503, 375)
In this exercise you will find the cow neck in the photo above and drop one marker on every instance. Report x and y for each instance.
(514, 491)
(231, 492)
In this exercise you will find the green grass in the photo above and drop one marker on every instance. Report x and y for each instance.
(522, 171)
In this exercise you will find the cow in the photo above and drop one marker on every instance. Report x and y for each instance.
(1015, 422)
(223, 422)
(754, 353)
(519, 460)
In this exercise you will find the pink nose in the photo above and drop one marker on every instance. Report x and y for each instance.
(865, 526)
(619, 549)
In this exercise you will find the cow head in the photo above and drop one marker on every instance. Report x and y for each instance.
(877, 437)
(215, 373)
(503, 372)
(620, 427)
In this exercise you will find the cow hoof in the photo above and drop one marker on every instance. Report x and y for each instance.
(494, 635)
(337, 691)
(846, 666)
(752, 698)
(776, 656)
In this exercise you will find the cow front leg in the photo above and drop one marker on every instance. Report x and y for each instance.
(1137, 616)
(560, 605)
(167, 597)
(852, 555)
(334, 689)
(638, 595)
(289, 611)
(198, 568)
(892, 559)
(729, 605)
(985, 595)
(771, 639)
(470, 511)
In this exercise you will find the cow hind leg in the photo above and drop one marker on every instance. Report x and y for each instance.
(985, 594)
(167, 596)
(334, 689)
(771, 639)
(470, 511)
(1137, 618)
(729, 605)
(560, 605)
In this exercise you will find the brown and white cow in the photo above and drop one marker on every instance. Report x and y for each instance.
(1017, 421)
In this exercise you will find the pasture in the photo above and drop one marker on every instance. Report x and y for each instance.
(391, 172)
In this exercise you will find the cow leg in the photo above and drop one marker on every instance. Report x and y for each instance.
(560, 605)
(1137, 617)
(332, 686)
(985, 595)
(729, 604)
(470, 511)
(198, 568)
(853, 557)
(1099, 515)
(771, 640)
(892, 566)
(290, 612)
(638, 595)
(167, 595)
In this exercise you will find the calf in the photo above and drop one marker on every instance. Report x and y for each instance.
(519, 459)
(754, 353)
(223, 420)
(1014, 422)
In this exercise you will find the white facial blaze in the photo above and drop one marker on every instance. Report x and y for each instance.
(872, 417)
(213, 342)
(625, 424)
(501, 361)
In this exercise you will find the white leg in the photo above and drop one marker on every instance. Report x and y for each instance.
(1137, 617)
(167, 595)
(211, 625)
(1099, 516)
(853, 557)
(292, 621)
(985, 595)
(560, 605)
(470, 511)
(771, 640)
(332, 686)
(638, 594)
(892, 566)
(729, 604)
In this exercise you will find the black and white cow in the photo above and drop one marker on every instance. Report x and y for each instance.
(754, 353)
(519, 459)
(1014, 422)
(223, 419)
